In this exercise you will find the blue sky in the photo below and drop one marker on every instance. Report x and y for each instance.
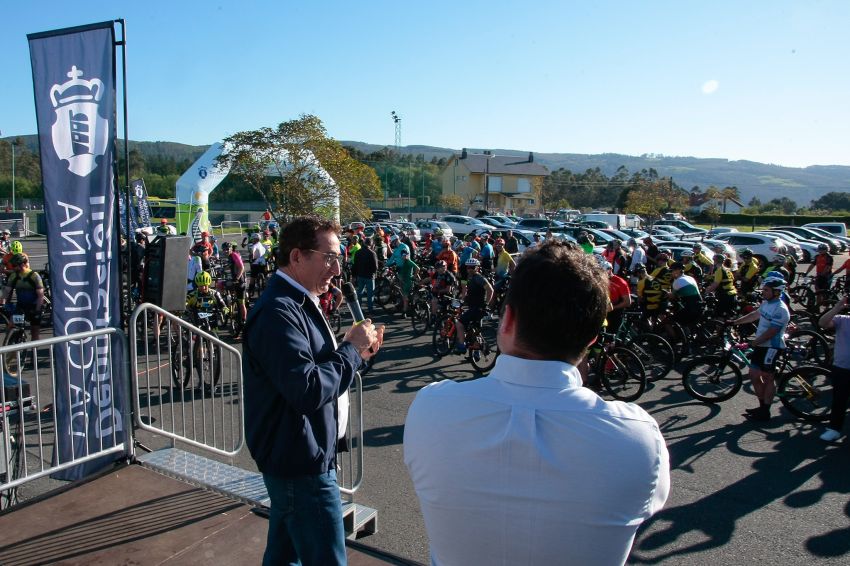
(766, 81)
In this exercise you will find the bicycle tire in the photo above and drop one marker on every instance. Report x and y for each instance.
(679, 340)
(11, 360)
(207, 358)
(806, 392)
(623, 374)
(709, 336)
(712, 379)
(444, 334)
(383, 293)
(656, 354)
(484, 348)
(420, 315)
(808, 347)
(181, 362)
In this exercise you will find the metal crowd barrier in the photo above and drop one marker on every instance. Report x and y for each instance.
(227, 229)
(187, 383)
(31, 400)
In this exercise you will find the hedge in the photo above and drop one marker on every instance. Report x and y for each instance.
(773, 219)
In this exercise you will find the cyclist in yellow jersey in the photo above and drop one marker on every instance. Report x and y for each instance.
(662, 273)
(723, 285)
(748, 271)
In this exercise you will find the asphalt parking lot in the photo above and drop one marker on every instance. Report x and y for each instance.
(742, 493)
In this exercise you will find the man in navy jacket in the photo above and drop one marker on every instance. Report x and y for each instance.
(294, 372)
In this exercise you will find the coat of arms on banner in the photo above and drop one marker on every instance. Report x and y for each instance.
(80, 134)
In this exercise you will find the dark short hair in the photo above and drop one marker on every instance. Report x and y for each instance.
(559, 297)
(301, 234)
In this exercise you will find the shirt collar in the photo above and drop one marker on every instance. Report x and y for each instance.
(551, 374)
(298, 286)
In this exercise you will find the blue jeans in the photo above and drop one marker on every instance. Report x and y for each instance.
(305, 522)
(367, 284)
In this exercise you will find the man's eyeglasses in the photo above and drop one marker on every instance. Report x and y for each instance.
(330, 257)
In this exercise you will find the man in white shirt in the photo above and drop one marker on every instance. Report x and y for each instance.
(526, 466)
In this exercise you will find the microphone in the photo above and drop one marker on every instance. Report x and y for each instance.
(353, 303)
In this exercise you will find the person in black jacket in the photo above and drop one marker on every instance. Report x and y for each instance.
(294, 373)
(363, 270)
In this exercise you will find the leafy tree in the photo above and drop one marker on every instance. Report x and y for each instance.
(832, 201)
(453, 203)
(280, 164)
(650, 196)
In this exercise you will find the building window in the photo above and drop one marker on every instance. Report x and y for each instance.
(494, 183)
(523, 185)
(461, 178)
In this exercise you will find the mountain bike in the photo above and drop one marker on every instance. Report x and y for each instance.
(17, 332)
(618, 369)
(480, 338)
(192, 351)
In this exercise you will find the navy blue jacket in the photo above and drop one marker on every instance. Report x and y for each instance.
(292, 377)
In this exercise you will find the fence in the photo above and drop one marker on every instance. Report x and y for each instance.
(30, 403)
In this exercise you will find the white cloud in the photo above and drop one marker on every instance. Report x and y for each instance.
(710, 87)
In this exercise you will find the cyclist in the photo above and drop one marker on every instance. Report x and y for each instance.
(29, 292)
(202, 251)
(511, 243)
(443, 284)
(407, 274)
(778, 265)
(234, 273)
(486, 255)
(690, 267)
(840, 370)
(4, 241)
(258, 261)
(476, 294)
(685, 291)
(822, 265)
(638, 258)
(703, 261)
(449, 256)
(773, 317)
(584, 242)
(398, 248)
(15, 248)
(619, 294)
(662, 273)
(206, 299)
(331, 300)
(748, 271)
(723, 286)
(163, 229)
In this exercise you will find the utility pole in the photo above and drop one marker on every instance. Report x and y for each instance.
(397, 121)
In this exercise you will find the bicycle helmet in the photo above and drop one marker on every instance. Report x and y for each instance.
(203, 279)
(17, 247)
(696, 246)
(823, 248)
(438, 233)
(605, 265)
(677, 265)
(226, 246)
(719, 257)
(631, 243)
(440, 263)
(746, 252)
(779, 258)
(775, 283)
(255, 236)
(199, 249)
(205, 234)
(640, 268)
(18, 259)
(163, 221)
(393, 238)
(6, 233)
(688, 254)
(774, 275)
(472, 262)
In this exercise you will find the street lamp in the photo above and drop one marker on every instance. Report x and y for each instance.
(488, 155)
(13, 174)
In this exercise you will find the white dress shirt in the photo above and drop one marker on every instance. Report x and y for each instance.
(526, 466)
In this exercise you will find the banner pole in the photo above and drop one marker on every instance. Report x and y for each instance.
(130, 237)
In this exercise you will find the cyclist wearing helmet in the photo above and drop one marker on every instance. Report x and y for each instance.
(822, 265)
(4, 241)
(686, 293)
(449, 256)
(204, 298)
(202, 251)
(234, 273)
(258, 261)
(702, 260)
(690, 267)
(407, 274)
(398, 248)
(748, 271)
(443, 284)
(15, 248)
(163, 229)
(777, 266)
(476, 293)
(723, 286)
(773, 317)
(29, 292)
(486, 255)
(662, 273)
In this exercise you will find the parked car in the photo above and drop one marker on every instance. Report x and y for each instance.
(679, 246)
(764, 246)
(808, 248)
(837, 228)
(539, 224)
(635, 233)
(845, 242)
(463, 225)
(720, 230)
(835, 245)
(431, 226)
(499, 222)
(683, 225)
(411, 230)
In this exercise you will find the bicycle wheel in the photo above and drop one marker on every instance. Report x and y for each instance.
(420, 316)
(181, 362)
(807, 393)
(483, 348)
(13, 361)
(623, 374)
(444, 336)
(383, 293)
(207, 357)
(709, 336)
(656, 354)
(712, 379)
(808, 347)
(678, 340)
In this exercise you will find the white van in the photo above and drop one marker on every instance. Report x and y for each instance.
(837, 228)
(616, 221)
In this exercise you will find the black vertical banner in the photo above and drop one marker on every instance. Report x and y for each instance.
(75, 98)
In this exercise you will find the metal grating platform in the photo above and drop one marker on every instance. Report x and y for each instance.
(240, 484)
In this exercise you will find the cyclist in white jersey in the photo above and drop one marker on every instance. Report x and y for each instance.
(773, 317)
